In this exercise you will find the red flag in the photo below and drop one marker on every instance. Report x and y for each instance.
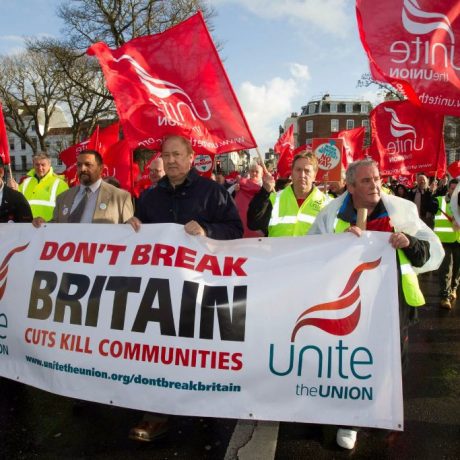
(100, 140)
(413, 44)
(405, 139)
(454, 169)
(118, 162)
(353, 140)
(174, 83)
(285, 148)
(70, 175)
(4, 144)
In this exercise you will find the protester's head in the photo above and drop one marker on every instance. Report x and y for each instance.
(220, 178)
(452, 184)
(422, 182)
(303, 174)
(401, 191)
(156, 170)
(364, 183)
(89, 167)
(177, 154)
(42, 164)
(255, 173)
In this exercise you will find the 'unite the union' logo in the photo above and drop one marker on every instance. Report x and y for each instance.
(161, 90)
(419, 22)
(349, 296)
(397, 128)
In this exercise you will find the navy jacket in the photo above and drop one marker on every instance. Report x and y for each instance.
(197, 198)
(14, 207)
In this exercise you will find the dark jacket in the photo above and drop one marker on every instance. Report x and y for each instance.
(14, 207)
(197, 198)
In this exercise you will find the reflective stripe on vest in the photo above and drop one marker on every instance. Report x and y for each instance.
(25, 184)
(51, 202)
(442, 225)
(409, 281)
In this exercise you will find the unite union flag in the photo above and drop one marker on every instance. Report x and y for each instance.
(174, 83)
(414, 45)
(406, 139)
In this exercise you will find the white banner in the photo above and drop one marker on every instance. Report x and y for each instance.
(290, 329)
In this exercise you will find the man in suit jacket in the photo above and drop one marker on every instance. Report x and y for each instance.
(93, 201)
(13, 206)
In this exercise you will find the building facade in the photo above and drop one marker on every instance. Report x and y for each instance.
(327, 115)
(59, 137)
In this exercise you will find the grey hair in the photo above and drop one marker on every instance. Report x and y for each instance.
(41, 156)
(350, 175)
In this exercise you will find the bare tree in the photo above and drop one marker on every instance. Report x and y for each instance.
(385, 89)
(29, 90)
(117, 21)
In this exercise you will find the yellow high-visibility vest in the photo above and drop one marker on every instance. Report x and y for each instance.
(42, 194)
(442, 225)
(287, 219)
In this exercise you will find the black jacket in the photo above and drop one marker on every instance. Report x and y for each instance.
(14, 207)
(199, 199)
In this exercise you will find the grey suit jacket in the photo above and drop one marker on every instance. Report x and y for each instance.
(113, 205)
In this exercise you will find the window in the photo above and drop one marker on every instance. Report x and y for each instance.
(23, 162)
(349, 107)
(333, 107)
(11, 142)
(451, 131)
(365, 123)
(364, 108)
(23, 145)
(311, 108)
(309, 126)
(13, 163)
(350, 124)
(308, 141)
(334, 125)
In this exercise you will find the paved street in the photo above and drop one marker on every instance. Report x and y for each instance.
(38, 425)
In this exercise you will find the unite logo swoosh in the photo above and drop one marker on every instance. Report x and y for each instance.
(419, 22)
(397, 128)
(4, 267)
(350, 295)
(162, 89)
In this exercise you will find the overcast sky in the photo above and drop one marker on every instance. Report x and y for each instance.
(278, 53)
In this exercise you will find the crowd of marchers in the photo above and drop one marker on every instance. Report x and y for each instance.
(419, 220)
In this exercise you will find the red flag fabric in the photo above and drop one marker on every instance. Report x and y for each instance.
(118, 162)
(246, 192)
(100, 140)
(70, 175)
(412, 44)
(353, 140)
(406, 139)
(454, 169)
(174, 83)
(285, 148)
(4, 143)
